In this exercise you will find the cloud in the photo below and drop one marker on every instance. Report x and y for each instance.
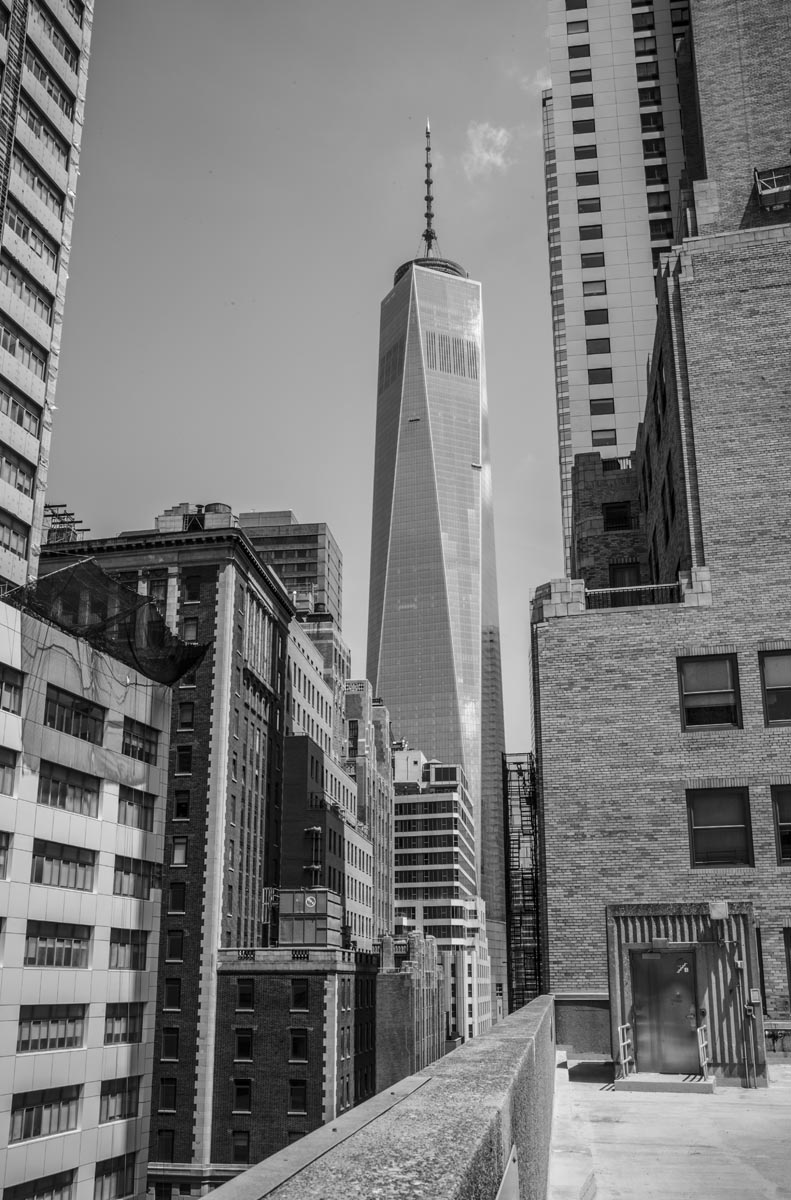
(536, 85)
(486, 150)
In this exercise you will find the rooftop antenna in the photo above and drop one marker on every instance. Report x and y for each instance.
(429, 236)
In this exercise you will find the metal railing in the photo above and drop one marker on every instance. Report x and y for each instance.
(616, 464)
(629, 597)
(625, 1051)
(703, 1050)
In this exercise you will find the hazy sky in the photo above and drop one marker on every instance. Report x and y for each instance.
(251, 176)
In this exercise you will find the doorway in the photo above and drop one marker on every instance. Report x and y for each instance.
(665, 1011)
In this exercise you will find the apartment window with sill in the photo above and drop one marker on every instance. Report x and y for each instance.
(178, 854)
(781, 802)
(603, 437)
(177, 898)
(183, 760)
(647, 70)
(298, 1096)
(582, 51)
(719, 827)
(191, 589)
(189, 629)
(172, 999)
(166, 1145)
(139, 741)
(167, 1094)
(245, 995)
(651, 122)
(240, 1146)
(776, 687)
(581, 75)
(597, 346)
(74, 715)
(186, 715)
(597, 316)
(602, 407)
(599, 375)
(174, 946)
(582, 100)
(588, 204)
(709, 689)
(645, 45)
(581, 152)
(587, 125)
(594, 287)
(244, 1045)
(656, 174)
(181, 806)
(242, 1095)
(595, 259)
(299, 1045)
(570, 4)
(170, 1044)
(299, 995)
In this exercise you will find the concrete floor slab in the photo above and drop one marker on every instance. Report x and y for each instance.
(732, 1145)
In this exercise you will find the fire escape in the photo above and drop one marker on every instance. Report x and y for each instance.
(524, 892)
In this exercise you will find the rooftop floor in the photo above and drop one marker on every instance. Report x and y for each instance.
(667, 1145)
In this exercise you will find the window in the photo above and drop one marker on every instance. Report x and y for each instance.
(709, 689)
(299, 1045)
(119, 1099)
(178, 852)
(588, 125)
(60, 787)
(781, 800)
(297, 1095)
(597, 346)
(172, 994)
(177, 898)
(74, 715)
(115, 1177)
(191, 589)
(55, 865)
(588, 151)
(174, 945)
(624, 574)
(656, 174)
(123, 1023)
(594, 287)
(167, 1094)
(588, 204)
(649, 96)
(186, 715)
(135, 808)
(601, 407)
(139, 741)
(597, 316)
(19, 409)
(183, 760)
(582, 51)
(617, 516)
(12, 276)
(242, 1095)
(647, 70)
(51, 1187)
(128, 949)
(5, 845)
(170, 1043)
(16, 470)
(299, 994)
(587, 178)
(582, 100)
(48, 944)
(776, 681)
(50, 1027)
(581, 75)
(658, 201)
(245, 994)
(13, 533)
(592, 260)
(244, 1044)
(643, 20)
(63, 45)
(645, 45)
(39, 1114)
(134, 877)
(7, 770)
(240, 1146)
(158, 591)
(719, 827)
(189, 629)
(651, 122)
(603, 437)
(166, 1145)
(181, 805)
(49, 137)
(576, 4)
(576, 27)
(599, 375)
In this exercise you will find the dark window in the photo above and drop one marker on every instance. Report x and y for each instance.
(597, 316)
(297, 1095)
(115, 1177)
(299, 994)
(583, 51)
(177, 897)
(719, 827)
(244, 1044)
(73, 791)
(245, 995)
(581, 75)
(240, 1146)
(165, 1145)
(174, 951)
(654, 148)
(603, 437)
(650, 95)
(594, 287)
(590, 233)
(647, 70)
(299, 1045)
(597, 346)
(7, 770)
(576, 27)
(183, 760)
(776, 679)
(170, 1043)
(172, 994)
(658, 201)
(74, 715)
(50, 1187)
(191, 588)
(599, 375)
(592, 260)
(588, 204)
(181, 806)
(585, 151)
(242, 1095)
(643, 20)
(167, 1095)
(624, 574)
(587, 178)
(186, 716)
(617, 516)
(582, 100)
(781, 799)
(139, 741)
(656, 174)
(651, 122)
(601, 407)
(588, 125)
(576, 4)
(645, 45)
(709, 690)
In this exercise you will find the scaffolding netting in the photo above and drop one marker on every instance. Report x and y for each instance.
(86, 602)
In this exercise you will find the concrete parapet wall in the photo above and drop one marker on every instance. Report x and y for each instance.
(445, 1133)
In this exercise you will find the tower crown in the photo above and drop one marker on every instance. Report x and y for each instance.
(429, 237)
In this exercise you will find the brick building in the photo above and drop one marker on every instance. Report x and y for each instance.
(662, 723)
(412, 1021)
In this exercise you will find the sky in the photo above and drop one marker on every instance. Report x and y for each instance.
(251, 177)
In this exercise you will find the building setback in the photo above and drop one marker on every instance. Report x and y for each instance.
(663, 726)
(44, 51)
(433, 625)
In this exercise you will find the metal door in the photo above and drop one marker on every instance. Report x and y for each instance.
(665, 1011)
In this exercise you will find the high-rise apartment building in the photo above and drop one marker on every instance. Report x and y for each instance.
(433, 626)
(44, 49)
(613, 155)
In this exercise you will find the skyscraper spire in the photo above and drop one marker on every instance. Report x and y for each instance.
(429, 236)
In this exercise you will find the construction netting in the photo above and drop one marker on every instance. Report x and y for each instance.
(88, 603)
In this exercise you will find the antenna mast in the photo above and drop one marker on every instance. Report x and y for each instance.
(429, 236)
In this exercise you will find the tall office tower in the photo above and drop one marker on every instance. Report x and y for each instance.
(306, 557)
(613, 158)
(44, 50)
(433, 636)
